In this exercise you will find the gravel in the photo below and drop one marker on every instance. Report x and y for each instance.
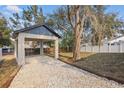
(46, 72)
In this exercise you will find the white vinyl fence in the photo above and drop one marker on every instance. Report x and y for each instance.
(0, 52)
(117, 48)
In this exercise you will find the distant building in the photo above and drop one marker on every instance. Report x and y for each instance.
(116, 40)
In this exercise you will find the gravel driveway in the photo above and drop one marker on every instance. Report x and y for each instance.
(47, 72)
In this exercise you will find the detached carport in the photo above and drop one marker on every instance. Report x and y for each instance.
(37, 32)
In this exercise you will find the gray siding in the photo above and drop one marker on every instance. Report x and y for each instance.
(40, 31)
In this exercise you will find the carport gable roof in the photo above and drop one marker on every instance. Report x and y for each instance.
(36, 26)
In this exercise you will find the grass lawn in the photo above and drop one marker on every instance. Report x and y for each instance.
(8, 69)
(109, 65)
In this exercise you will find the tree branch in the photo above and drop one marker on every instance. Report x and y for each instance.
(69, 17)
(61, 26)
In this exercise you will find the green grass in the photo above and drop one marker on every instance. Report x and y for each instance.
(109, 65)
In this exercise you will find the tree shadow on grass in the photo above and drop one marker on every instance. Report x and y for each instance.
(109, 65)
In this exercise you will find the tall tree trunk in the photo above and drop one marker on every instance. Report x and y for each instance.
(77, 40)
(100, 38)
(78, 28)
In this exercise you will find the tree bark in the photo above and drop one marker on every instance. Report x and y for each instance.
(77, 40)
(78, 28)
(76, 50)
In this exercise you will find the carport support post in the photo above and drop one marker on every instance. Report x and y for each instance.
(16, 49)
(21, 49)
(56, 49)
(41, 48)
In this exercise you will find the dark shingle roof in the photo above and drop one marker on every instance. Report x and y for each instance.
(36, 26)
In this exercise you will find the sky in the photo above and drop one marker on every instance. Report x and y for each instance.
(117, 9)
(47, 9)
(8, 10)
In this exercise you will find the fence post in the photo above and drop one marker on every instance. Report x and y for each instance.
(92, 48)
(109, 47)
(0, 52)
(85, 48)
(120, 46)
(99, 48)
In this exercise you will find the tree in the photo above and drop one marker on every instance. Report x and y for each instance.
(72, 18)
(76, 16)
(34, 14)
(67, 41)
(31, 16)
(5, 32)
(82, 19)
(59, 23)
(104, 25)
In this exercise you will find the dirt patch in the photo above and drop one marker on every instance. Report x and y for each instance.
(68, 56)
(8, 69)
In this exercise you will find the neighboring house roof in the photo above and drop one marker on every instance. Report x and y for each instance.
(116, 39)
(36, 26)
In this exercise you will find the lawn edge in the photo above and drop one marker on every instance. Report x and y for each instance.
(106, 77)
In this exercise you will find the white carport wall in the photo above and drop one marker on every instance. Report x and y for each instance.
(20, 45)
